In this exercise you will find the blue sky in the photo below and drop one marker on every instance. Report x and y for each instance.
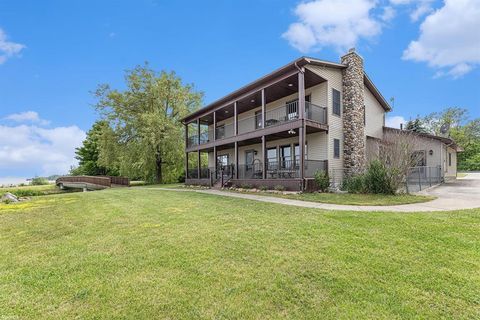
(54, 53)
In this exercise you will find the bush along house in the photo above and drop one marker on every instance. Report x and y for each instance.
(307, 116)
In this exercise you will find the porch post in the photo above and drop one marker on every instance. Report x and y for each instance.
(301, 94)
(235, 119)
(215, 129)
(302, 130)
(199, 164)
(235, 169)
(186, 153)
(186, 166)
(301, 143)
(263, 108)
(198, 130)
(215, 158)
(264, 163)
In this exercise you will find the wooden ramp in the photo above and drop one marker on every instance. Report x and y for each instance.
(91, 182)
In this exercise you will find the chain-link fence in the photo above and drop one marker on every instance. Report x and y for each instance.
(420, 178)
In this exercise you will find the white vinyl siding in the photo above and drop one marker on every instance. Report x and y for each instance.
(374, 115)
(335, 123)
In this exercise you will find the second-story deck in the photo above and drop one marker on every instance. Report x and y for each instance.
(285, 114)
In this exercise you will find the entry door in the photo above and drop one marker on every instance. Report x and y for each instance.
(249, 157)
(222, 161)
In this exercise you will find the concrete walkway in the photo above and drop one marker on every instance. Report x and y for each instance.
(460, 194)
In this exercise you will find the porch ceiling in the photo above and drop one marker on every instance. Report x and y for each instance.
(278, 90)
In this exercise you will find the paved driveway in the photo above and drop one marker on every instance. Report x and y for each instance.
(459, 194)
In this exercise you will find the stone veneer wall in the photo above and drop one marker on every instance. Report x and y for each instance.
(354, 143)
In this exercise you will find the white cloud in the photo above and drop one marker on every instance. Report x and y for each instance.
(27, 116)
(449, 39)
(395, 121)
(35, 150)
(421, 7)
(8, 49)
(339, 24)
(388, 13)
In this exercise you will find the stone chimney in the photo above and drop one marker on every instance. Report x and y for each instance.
(353, 112)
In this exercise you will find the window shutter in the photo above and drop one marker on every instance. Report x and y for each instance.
(336, 148)
(336, 102)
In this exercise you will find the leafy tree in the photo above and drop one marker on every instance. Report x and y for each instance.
(416, 126)
(465, 132)
(468, 137)
(453, 116)
(88, 153)
(145, 138)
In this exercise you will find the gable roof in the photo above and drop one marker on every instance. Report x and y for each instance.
(300, 62)
(448, 141)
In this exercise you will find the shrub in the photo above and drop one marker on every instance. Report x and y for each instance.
(246, 186)
(322, 180)
(377, 179)
(279, 187)
(263, 188)
(38, 181)
(354, 184)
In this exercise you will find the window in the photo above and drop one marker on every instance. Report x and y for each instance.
(336, 148)
(296, 154)
(222, 160)
(220, 132)
(272, 158)
(336, 102)
(249, 157)
(285, 156)
(258, 119)
(419, 159)
(449, 159)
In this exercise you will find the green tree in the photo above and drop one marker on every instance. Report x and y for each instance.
(416, 126)
(453, 117)
(145, 136)
(465, 132)
(88, 153)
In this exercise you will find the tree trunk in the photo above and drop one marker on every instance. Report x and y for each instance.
(158, 169)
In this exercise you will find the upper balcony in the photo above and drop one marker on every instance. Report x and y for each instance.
(289, 112)
(265, 109)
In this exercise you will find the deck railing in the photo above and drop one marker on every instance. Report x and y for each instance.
(315, 113)
(224, 131)
(276, 116)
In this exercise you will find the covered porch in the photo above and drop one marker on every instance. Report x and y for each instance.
(265, 161)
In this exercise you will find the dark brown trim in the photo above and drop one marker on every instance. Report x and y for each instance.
(241, 93)
(289, 184)
(198, 182)
(260, 132)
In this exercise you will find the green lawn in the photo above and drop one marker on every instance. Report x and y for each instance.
(142, 254)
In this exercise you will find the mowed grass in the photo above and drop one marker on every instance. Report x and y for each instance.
(143, 254)
(360, 199)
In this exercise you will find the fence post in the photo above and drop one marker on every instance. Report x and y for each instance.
(419, 179)
(430, 175)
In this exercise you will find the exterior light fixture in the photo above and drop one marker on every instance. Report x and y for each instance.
(290, 84)
(291, 131)
(430, 152)
(226, 111)
(252, 101)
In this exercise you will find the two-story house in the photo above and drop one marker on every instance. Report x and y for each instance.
(306, 116)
